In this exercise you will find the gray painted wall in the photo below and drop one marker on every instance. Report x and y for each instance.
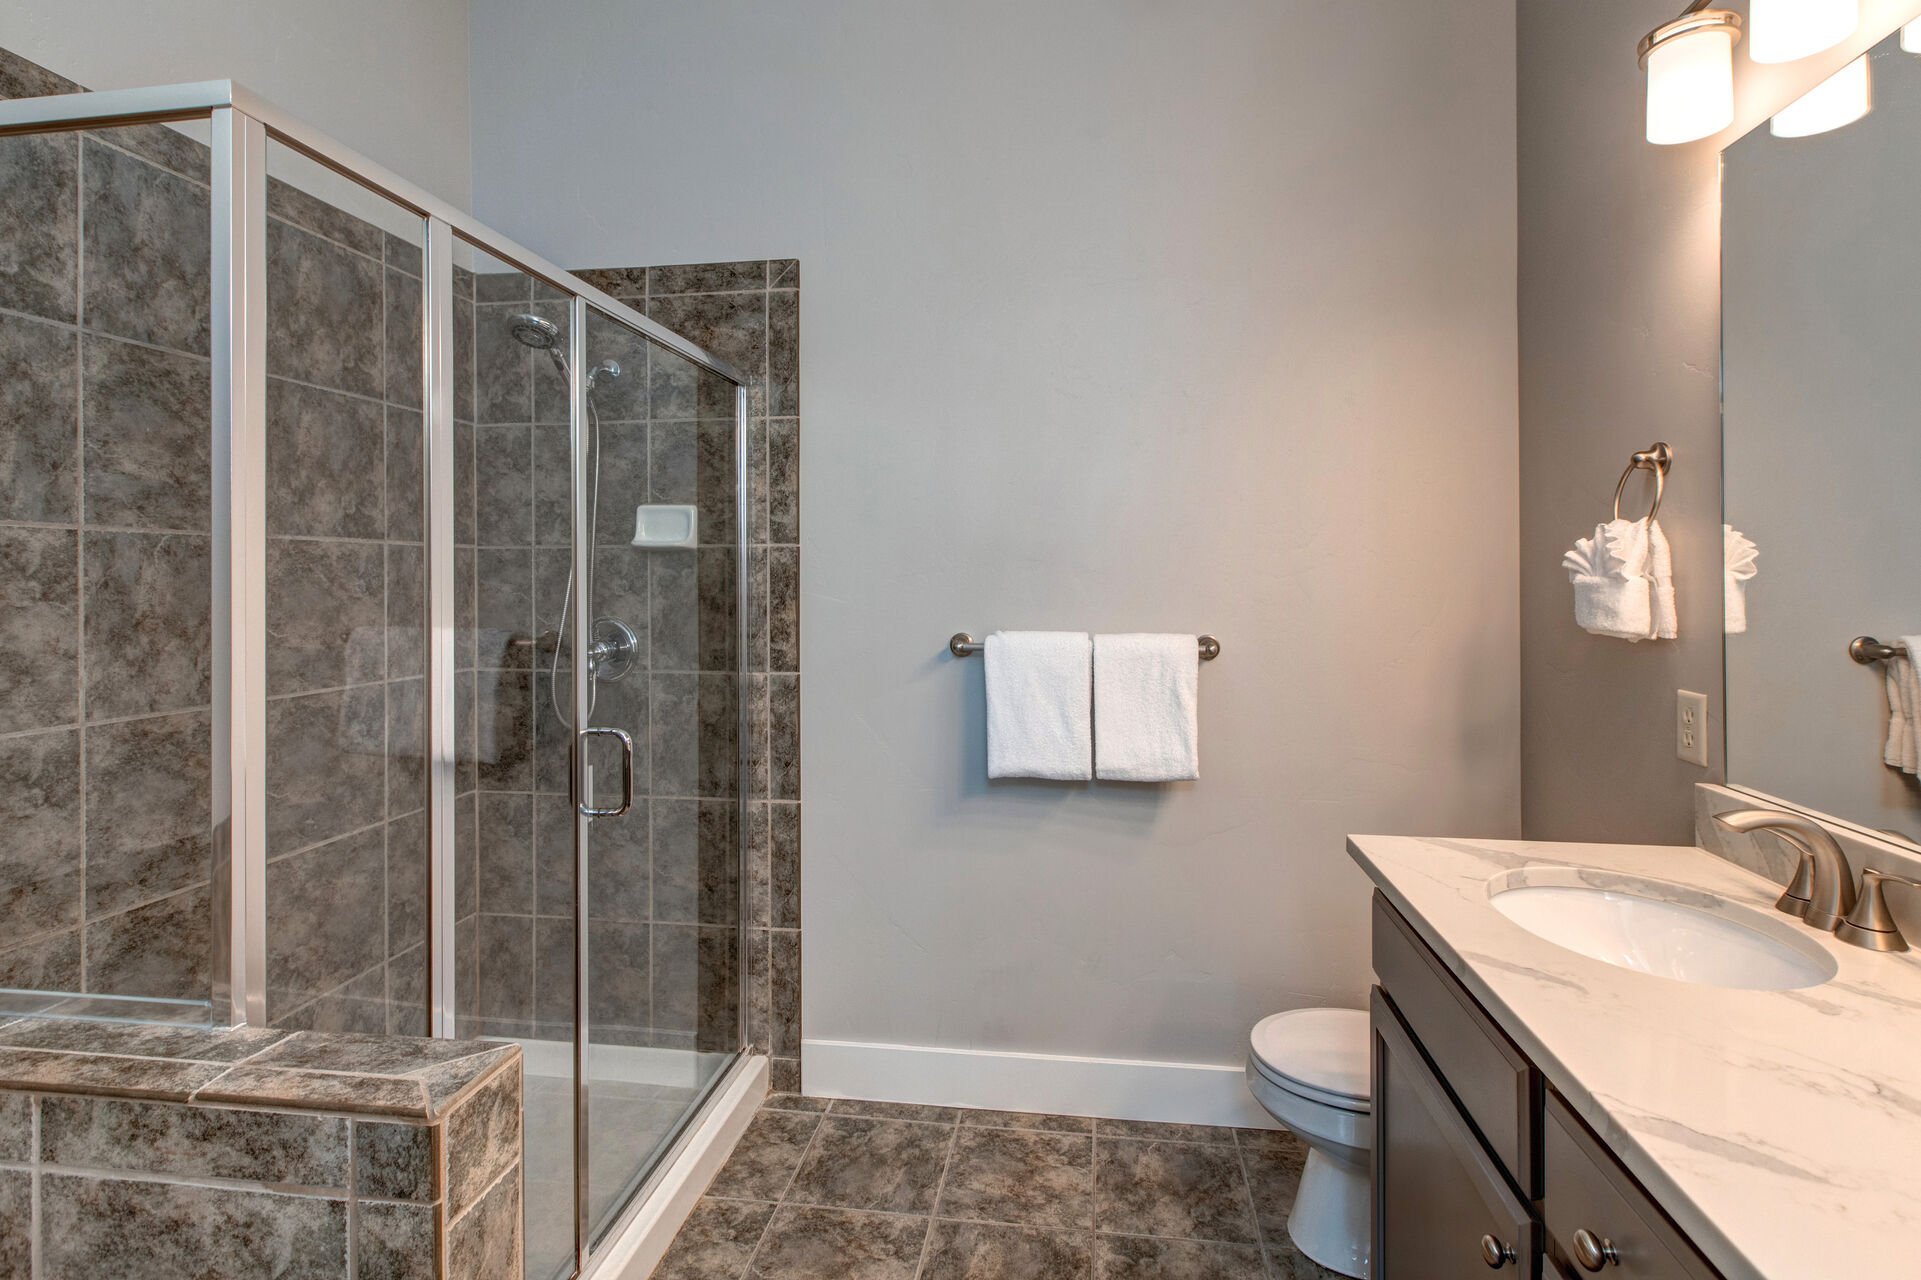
(1620, 345)
(389, 80)
(1117, 317)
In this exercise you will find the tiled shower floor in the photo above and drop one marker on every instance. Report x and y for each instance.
(881, 1191)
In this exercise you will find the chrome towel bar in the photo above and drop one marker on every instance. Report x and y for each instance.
(1867, 650)
(962, 645)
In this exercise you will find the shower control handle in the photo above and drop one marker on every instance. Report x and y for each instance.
(626, 741)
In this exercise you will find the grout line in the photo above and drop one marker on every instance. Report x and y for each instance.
(940, 1190)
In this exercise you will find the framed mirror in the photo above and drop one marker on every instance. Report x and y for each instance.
(1821, 423)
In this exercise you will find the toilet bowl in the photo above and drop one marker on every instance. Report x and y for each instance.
(1310, 1069)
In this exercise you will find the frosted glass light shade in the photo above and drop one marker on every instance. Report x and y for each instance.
(1840, 99)
(1691, 86)
(1911, 37)
(1787, 30)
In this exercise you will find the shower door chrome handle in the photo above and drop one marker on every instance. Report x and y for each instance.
(626, 741)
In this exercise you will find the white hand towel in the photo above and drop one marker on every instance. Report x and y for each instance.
(1146, 708)
(1665, 622)
(1738, 555)
(1040, 721)
(1899, 749)
(1911, 693)
(1613, 595)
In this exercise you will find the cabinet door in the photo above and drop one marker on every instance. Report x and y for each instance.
(1598, 1218)
(1442, 1207)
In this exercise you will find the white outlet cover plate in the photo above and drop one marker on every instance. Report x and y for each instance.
(1691, 726)
(663, 525)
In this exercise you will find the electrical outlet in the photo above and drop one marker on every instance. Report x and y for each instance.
(1691, 726)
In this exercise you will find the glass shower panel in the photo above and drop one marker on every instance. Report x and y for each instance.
(663, 902)
(346, 819)
(513, 535)
(106, 571)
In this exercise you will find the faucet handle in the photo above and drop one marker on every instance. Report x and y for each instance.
(1795, 898)
(1870, 924)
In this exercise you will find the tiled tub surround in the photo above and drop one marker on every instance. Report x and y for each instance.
(168, 1152)
(665, 897)
(105, 584)
(884, 1191)
(1777, 1128)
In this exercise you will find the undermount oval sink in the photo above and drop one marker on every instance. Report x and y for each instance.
(1667, 930)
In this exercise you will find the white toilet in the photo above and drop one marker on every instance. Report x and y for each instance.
(1310, 1069)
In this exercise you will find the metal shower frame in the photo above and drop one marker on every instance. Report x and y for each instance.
(241, 123)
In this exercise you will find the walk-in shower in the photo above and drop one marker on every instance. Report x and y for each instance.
(292, 731)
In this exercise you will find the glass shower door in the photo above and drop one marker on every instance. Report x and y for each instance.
(663, 471)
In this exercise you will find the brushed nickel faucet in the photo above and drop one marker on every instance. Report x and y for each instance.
(1822, 892)
(1871, 924)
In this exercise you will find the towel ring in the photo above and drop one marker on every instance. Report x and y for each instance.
(1657, 459)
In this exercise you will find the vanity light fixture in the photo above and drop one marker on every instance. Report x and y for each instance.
(1840, 99)
(1789, 30)
(1690, 66)
(1911, 37)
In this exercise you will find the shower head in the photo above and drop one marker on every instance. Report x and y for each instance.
(532, 331)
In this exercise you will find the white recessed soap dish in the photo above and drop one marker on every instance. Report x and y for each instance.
(659, 525)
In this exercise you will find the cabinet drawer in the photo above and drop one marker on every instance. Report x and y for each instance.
(1496, 1086)
(1587, 1191)
(1441, 1204)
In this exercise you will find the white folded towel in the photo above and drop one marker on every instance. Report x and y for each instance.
(1040, 720)
(1146, 708)
(1612, 593)
(1666, 623)
(1738, 554)
(1900, 749)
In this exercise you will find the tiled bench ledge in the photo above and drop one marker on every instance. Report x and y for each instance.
(167, 1151)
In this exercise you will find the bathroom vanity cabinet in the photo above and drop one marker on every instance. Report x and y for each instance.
(1479, 1165)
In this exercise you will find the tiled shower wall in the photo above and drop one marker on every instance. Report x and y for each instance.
(665, 894)
(105, 584)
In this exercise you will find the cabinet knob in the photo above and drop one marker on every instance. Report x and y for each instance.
(1594, 1252)
(1497, 1254)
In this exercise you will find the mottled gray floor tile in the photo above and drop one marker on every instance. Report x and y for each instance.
(1178, 1189)
(857, 1163)
(147, 253)
(794, 1102)
(1036, 1179)
(40, 812)
(835, 1244)
(39, 196)
(1142, 1258)
(149, 631)
(160, 1231)
(1148, 1129)
(1274, 1176)
(1031, 1121)
(39, 405)
(980, 1251)
(1285, 1262)
(39, 628)
(765, 1158)
(201, 1142)
(715, 1242)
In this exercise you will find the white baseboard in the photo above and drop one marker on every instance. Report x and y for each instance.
(642, 1239)
(1119, 1088)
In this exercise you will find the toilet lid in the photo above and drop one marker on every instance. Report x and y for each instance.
(1322, 1053)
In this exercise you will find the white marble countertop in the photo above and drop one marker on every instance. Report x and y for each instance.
(1781, 1130)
